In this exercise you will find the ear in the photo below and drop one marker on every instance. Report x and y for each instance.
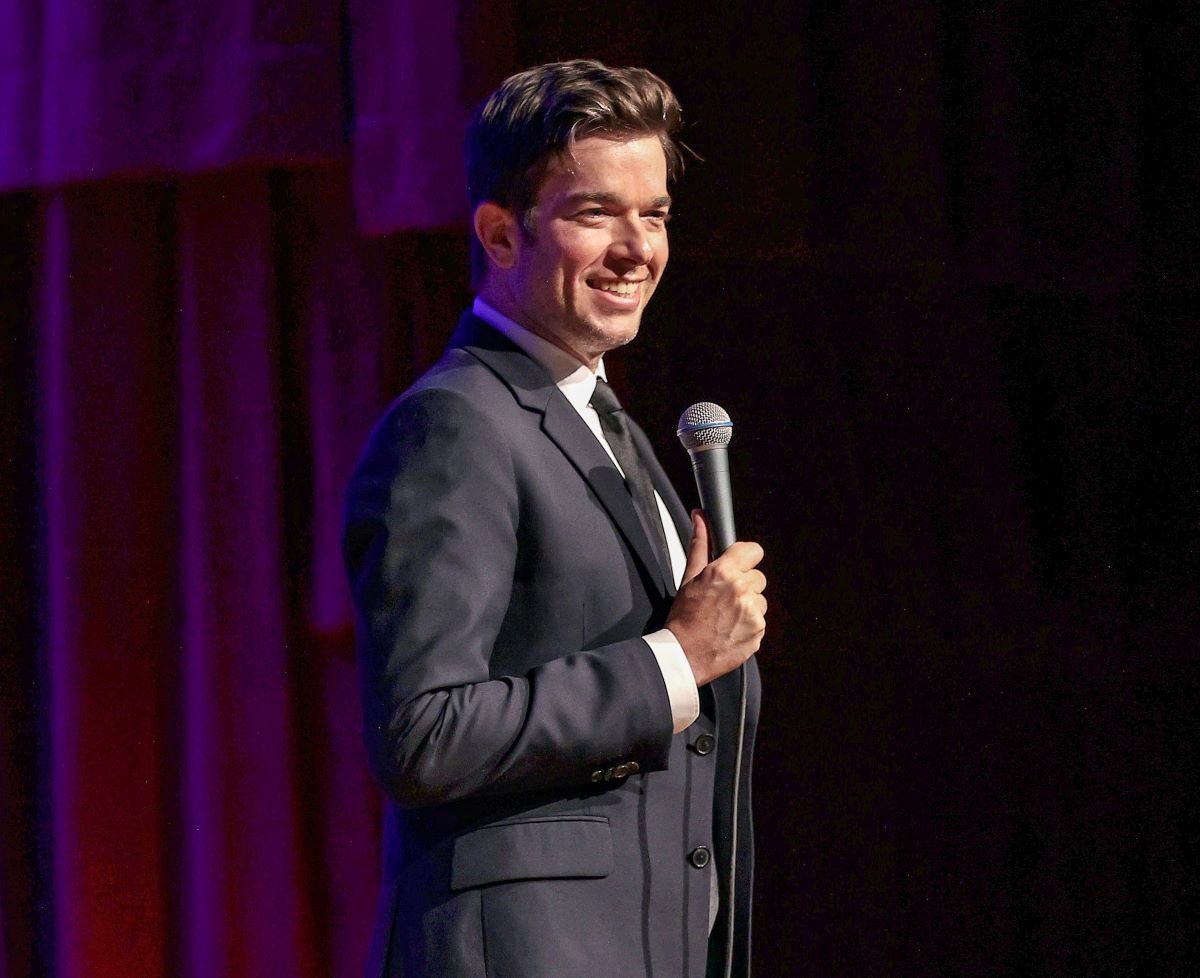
(496, 228)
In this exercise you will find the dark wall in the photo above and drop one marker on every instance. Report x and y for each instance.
(939, 266)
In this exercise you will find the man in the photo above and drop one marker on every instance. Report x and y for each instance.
(553, 722)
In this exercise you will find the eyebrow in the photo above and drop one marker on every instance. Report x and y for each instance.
(604, 197)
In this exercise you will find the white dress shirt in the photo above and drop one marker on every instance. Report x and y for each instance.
(577, 382)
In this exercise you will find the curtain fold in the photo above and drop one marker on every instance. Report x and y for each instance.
(106, 487)
(243, 877)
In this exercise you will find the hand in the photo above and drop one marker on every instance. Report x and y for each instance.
(719, 614)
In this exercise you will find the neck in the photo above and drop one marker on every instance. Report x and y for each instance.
(511, 309)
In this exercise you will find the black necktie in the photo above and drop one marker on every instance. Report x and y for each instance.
(615, 426)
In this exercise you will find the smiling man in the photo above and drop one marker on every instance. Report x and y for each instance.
(580, 267)
(546, 649)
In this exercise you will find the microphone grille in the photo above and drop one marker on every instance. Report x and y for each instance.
(705, 425)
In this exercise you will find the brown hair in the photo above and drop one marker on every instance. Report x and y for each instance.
(539, 114)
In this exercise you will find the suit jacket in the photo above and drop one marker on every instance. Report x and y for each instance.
(543, 820)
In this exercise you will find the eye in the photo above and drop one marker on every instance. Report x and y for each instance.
(656, 218)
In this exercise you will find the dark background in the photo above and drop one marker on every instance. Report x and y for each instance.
(940, 266)
(938, 262)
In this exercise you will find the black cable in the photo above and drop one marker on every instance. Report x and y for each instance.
(731, 906)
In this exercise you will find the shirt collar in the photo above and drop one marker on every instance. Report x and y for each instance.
(576, 380)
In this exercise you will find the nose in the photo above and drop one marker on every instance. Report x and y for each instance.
(633, 244)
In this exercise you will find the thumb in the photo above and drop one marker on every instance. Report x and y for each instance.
(697, 555)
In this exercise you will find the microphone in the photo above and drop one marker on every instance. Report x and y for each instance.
(705, 430)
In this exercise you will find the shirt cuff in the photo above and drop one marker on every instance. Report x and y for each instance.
(677, 674)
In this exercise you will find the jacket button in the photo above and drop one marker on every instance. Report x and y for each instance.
(704, 744)
(699, 857)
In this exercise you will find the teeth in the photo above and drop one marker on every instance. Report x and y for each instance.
(619, 288)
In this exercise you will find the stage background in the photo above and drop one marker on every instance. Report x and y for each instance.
(939, 264)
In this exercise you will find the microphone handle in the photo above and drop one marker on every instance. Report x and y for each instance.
(711, 468)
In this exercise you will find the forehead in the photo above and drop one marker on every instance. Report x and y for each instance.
(633, 168)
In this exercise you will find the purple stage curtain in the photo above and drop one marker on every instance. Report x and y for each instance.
(208, 358)
(188, 704)
(94, 91)
(412, 96)
(196, 338)
(91, 90)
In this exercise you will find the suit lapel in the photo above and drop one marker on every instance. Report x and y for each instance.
(533, 389)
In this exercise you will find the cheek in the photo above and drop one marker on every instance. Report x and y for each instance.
(572, 272)
(547, 277)
(583, 249)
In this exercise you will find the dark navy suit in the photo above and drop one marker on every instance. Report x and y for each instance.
(543, 821)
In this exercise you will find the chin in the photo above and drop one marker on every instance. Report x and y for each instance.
(623, 328)
(614, 339)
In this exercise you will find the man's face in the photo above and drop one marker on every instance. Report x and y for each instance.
(598, 246)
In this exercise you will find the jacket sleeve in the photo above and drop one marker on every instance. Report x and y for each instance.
(431, 549)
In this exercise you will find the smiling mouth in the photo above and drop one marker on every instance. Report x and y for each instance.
(618, 288)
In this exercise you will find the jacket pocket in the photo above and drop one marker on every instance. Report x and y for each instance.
(558, 847)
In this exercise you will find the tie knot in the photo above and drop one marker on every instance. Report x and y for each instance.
(604, 398)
